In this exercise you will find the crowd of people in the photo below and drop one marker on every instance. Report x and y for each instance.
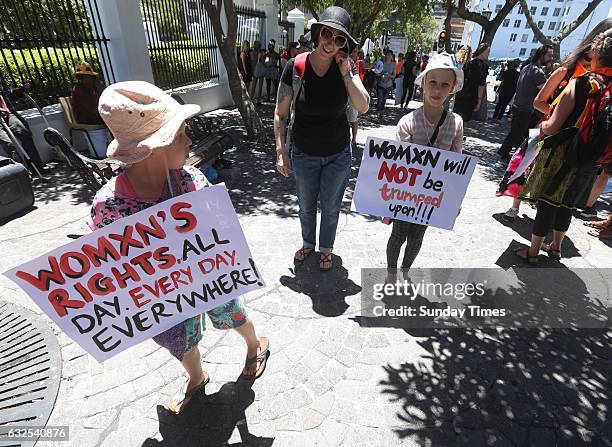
(320, 85)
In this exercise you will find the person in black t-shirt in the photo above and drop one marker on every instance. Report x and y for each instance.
(507, 88)
(320, 136)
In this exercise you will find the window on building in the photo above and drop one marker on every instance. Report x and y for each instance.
(520, 11)
(498, 8)
(544, 11)
(517, 23)
(526, 24)
(535, 39)
(558, 26)
(532, 52)
(522, 52)
(513, 37)
(551, 26)
(533, 10)
(525, 37)
(540, 24)
(506, 23)
(557, 12)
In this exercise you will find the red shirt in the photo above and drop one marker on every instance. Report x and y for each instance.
(4, 111)
(360, 68)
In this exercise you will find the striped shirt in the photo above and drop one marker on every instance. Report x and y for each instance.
(416, 129)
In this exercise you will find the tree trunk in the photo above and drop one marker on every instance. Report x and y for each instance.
(241, 97)
(226, 40)
(450, 7)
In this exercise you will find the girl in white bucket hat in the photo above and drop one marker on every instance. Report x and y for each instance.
(429, 125)
(149, 130)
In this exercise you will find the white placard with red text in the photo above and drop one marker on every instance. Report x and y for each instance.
(141, 275)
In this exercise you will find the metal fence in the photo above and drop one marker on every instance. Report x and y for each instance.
(251, 25)
(286, 31)
(181, 42)
(41, 42)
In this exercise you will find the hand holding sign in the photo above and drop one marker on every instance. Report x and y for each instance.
(411, 182)
(143, 274)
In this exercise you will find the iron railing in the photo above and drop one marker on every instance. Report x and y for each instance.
(42, 41)
(251, 25)
(181, 42)
(286, 31)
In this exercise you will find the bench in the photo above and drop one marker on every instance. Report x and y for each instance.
(94, 173)
(209, 141)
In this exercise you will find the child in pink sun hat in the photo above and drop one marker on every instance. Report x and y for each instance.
(149, 130)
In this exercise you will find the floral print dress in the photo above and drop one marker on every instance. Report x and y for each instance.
(118, 199)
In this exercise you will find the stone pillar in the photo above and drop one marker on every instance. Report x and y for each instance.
(123, 25)
(296, 17)
(270, 7)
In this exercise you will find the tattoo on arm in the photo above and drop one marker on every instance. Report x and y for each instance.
(284, 91)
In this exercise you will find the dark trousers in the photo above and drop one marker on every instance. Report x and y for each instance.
(383, 93)
(500, 108)
(25, 138)
(269, 81)
(410, 233)
(519, 129)
(556, 217)
(408, 92)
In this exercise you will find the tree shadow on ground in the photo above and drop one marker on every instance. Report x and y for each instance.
(523, 226)
(210, 420)
(514, 387)
(327, 290)
(259, 189)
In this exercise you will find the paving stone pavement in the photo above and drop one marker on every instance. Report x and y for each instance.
(330, 381)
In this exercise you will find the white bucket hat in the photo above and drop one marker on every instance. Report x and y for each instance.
(142, 117)
(443, 60)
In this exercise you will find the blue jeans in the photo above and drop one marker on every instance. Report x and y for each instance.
(383, 93)
(324, 179)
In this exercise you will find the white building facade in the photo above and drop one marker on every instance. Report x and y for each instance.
(515, 38)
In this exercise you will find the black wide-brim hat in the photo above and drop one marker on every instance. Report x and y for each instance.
(337, 18)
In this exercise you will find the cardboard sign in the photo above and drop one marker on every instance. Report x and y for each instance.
(143, 274)
(411, 182)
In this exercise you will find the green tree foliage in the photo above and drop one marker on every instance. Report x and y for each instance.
(32, 20)
(370, 17)
(421, 30)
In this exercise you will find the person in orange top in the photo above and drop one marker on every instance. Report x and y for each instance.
(361, 66)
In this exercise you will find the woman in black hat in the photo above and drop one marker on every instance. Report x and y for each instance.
(320, 136)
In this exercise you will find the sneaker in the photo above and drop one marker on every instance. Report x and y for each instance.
(512, 213)
(589, 212)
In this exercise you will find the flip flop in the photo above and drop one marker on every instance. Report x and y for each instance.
(183, 398)
(603, 234)
(261, 359)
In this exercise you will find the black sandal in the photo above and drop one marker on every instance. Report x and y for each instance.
(261, 359)
(553, 253)
(182, 396)
(531, 260)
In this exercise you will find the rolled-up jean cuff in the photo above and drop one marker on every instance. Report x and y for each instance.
(308, 245)
(325, 250)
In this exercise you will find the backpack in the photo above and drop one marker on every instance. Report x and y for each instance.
(594, 127)
(299, 67)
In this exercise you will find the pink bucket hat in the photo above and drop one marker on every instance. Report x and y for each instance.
(142, 117)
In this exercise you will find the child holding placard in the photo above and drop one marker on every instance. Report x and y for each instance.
(150, 138)
(429, 125)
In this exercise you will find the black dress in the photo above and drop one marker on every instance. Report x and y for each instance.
(474, 75)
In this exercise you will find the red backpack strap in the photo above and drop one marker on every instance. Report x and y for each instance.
(300, 64)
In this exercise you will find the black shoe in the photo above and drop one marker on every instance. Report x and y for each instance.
(589, 212)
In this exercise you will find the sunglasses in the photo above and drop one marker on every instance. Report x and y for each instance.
(327, 34)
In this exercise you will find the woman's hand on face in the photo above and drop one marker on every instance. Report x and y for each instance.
(343, 63)
(283, 163)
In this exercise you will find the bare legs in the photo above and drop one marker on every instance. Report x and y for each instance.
(247, 331)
